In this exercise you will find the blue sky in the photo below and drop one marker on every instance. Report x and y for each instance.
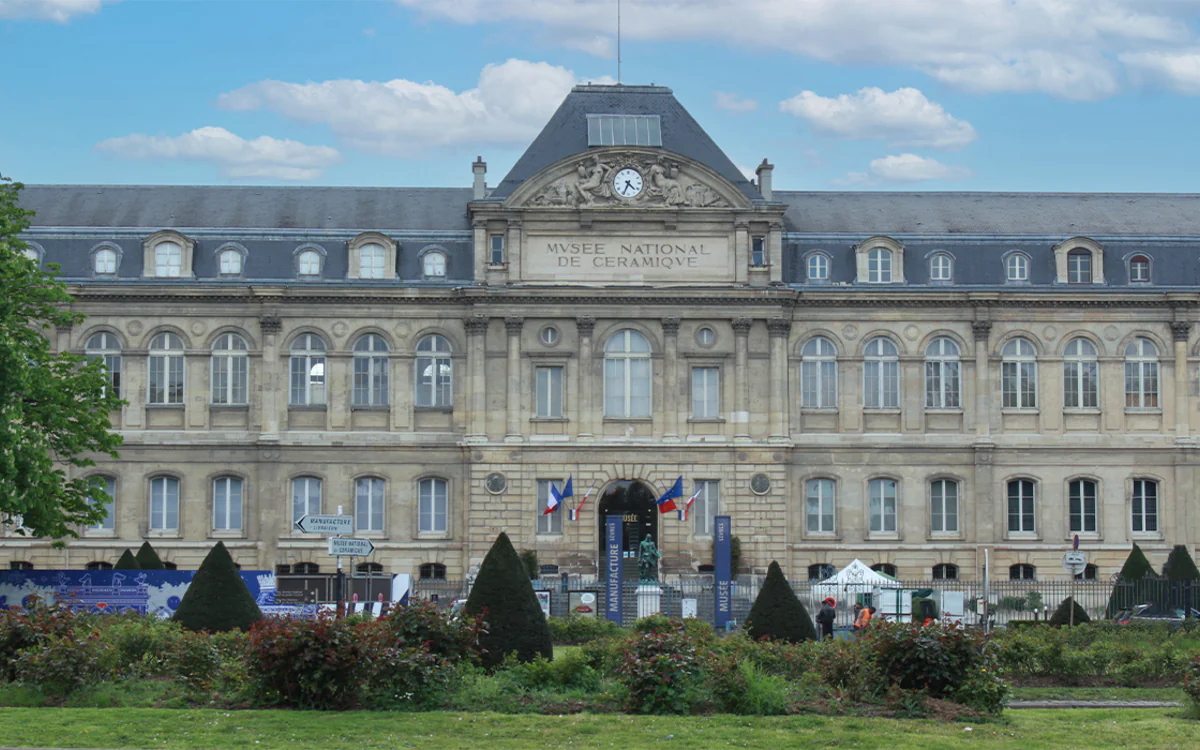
(1049, 95)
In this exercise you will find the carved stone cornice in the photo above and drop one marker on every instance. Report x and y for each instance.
(476, 325)
(741, 326)
(981, 329)
(585, 324)
(270, 324)
(513, 324)
(670, 325)
(779, 326)
(1181, 330)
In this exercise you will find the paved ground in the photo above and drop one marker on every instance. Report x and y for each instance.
(1094, 704)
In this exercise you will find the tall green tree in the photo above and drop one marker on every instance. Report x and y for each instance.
(53, 406)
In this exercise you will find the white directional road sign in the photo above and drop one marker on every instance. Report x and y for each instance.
(340, 547)
(1074, 562)
(314, 524)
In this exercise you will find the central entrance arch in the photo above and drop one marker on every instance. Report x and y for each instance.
(634, 501)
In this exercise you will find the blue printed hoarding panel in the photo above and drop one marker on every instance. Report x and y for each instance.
(724, 548)
(612, 594)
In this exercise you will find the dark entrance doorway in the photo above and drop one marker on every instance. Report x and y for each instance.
(634, 501)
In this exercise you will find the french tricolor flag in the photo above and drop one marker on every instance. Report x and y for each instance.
(556, 497)
(574, 512)
(687, 507)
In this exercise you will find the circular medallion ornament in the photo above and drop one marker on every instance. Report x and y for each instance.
(850, 331)
(760, 484)
(627, 183)
(1111, 333)
(496, 483)
(339, 328)
(911, 333)
(134, 327)
(197, 328)
(1049, 333)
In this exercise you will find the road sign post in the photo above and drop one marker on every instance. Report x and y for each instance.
(345, 547)
(316, 524)
(1074, 562)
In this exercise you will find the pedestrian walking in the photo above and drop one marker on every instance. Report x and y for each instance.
(826, 617)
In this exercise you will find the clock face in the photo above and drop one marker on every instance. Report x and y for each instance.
(627, 183)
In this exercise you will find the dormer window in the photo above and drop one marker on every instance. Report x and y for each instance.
(940, 268)
(372, 256)
(1079, 267)
(1139, 269)
(624, 130)
(309, 263)
(1016, 269)
(1079, 260)
(168, 260)
(433, 264)
(371, 261)
(104, 261)
(758, 251)
(230, 262)
(497, 245)
(879, 266)
(817, 267)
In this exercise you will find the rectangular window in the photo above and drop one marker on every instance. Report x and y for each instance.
(164, 504)
(1021, 506)
(1079, 268)
(1079, 385)
(434, 506)
(229, 376)
(227, 504)
(307, 381)
(1145, 505)
(881, 380)
(624, 130)
(1082, 499)
(758, 251)
(704, 510)
(1141, 385)
(371, 262)
(112, 369)
(108, 503)
(883, 505)
(706, 392)
(168, 260)
(166, 379)
(497, 249)
(942, 385)
(943, 505)
(370, 381)
(818, 384)
(819, 500)
(306, 497)
(1018, 385)
(549, 395)
(434, 384)
(368, 504)
(548, 523)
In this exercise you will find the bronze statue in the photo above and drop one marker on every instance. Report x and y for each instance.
(648, 558)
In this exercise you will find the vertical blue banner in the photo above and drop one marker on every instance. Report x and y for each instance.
(724, 549)
(614, 527)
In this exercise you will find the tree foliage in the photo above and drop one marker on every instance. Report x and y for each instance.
(127, 562)
(148, 559)
(217, 600)
(54, 407)
(777, 613)
(504, 597)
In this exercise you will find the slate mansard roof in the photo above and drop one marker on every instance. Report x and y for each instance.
(976, 229)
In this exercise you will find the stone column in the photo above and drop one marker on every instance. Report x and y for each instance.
(741, 379)
(670, 327)
(513, 325)
(983, 394)
(1180, 330)
(270, 390)
(779, 329)
(477, 326)
(587, 413)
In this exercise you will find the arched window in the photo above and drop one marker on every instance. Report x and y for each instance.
(1079, 266)
(20, 565)
(168, 260)
(433, 264)
(164, 504)
(886, 568)
(104, 261)
(98, 565)
(942, 387)
(820, 571)
(307, 368)
(370, 568)
(31, 253)
(432, 571)
(820, 501)
(627, 375)
(370, 371)
(817, 267)
(106, 347)
(818, 374)
(371, 261)
(883, 505)
(940, 267)
(227, 504)
(230, 262)
(168, 565)
(1022, 572)
(1141, 375)
(879, 266)
(1145, 505)
(368, 504)
(1080, 375)
(283, 570)
(1021, 506)
(1090, 573)
(1016, 268)
(230, 370)
(881, 375)
(166, 369)
(1018, 375)
(309, 263)
(1139, 269)
(945, 572)
(434, 504)
(1081, 494)
(107, 502)
(435, 385)
(306, 569)
(306, 497)
(943, 506)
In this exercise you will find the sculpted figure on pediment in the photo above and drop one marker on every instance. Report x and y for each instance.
(589, 184)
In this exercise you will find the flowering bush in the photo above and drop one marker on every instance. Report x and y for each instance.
(60, 665)
(1191, 685)
(21, 629)
(305, 663)
(936, 659)
(659, 670)
(447, 638)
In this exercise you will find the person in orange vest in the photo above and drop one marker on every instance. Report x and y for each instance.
(864, 618)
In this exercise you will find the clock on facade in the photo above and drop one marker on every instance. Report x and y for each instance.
(627, 183)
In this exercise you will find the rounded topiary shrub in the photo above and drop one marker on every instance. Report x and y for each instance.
(777, 613)
(503, 597)
(217, 600)
(1062, 615)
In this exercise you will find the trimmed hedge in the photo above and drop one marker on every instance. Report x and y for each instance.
(777, 614)
(1062, 615)
(148, 558)
(503, 598)
(217, 600)
(127, 562)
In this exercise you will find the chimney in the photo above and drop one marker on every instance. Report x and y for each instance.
(479, 167)
(764, 179)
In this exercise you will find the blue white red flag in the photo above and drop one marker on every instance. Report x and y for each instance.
(556, 497)
(666, 503)
(574, 512)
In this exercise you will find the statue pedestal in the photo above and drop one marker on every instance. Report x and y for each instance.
(649, 599)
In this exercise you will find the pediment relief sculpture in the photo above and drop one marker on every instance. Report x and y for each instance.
(628, 180)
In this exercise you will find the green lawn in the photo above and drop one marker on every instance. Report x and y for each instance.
(1096, 694)
(1146, 729)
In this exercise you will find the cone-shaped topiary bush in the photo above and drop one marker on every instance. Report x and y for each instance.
(1129, 591)
(504, 597)
(148, 558)
(777, 613)
(127, 562)
(1062, 615)
(1180, 566)
(217, 600)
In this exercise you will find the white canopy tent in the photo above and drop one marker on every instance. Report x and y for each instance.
(854, 579)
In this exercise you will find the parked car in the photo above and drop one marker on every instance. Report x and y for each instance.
(1144, 613)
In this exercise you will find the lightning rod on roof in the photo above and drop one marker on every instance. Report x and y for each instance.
(618, 41)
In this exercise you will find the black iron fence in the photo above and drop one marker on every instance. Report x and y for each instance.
(972, 603)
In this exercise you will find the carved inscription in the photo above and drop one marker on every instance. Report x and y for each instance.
(633, 259)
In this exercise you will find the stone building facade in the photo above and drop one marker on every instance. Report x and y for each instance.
(906, 378)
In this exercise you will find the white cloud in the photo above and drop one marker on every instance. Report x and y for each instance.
(903, 118)
(59, 11)
(262, 158)
(404, 118)
(733, 103)
(1066, 48)
(1179, 71)
(905, 168)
